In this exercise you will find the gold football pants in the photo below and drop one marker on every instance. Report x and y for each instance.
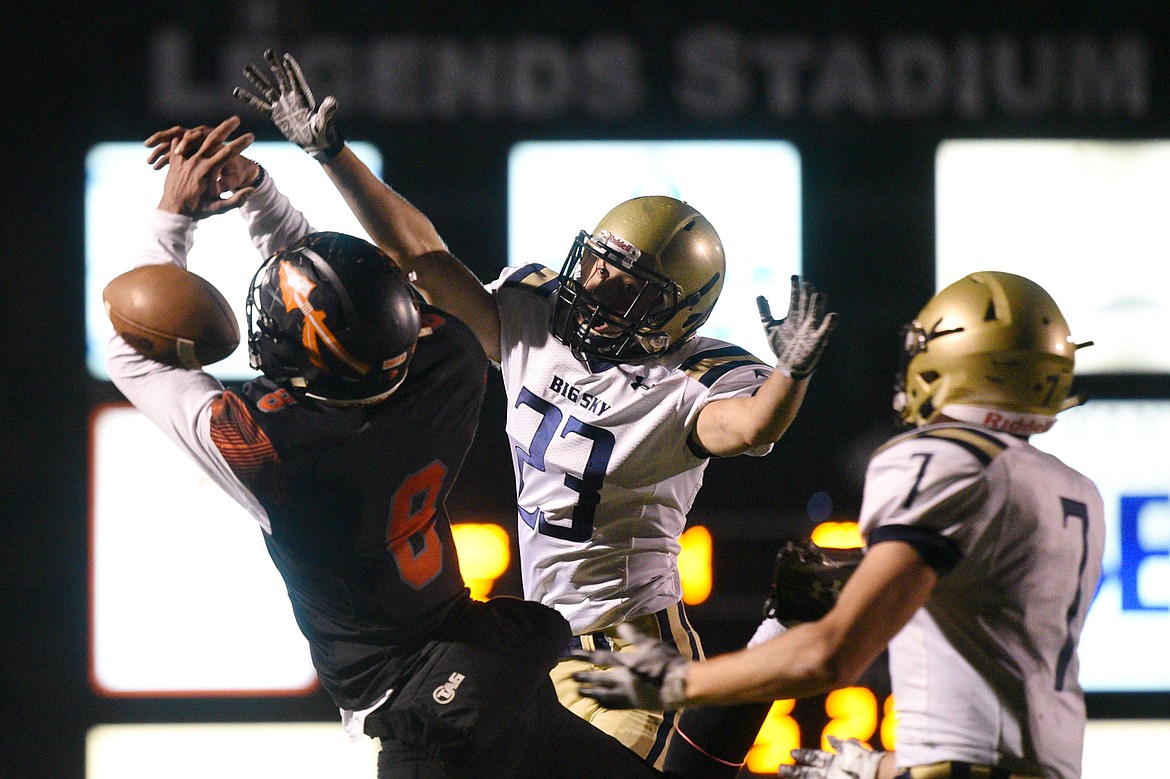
(645, 732)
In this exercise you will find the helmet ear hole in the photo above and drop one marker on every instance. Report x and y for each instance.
(930, 377)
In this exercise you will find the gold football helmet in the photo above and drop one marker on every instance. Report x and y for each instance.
(991, 340)
(666, 245)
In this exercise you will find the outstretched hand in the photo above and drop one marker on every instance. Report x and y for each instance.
(285, 98)
(236, 173)
(201, 164)
(852, 760)
(651, 676)
(798, 339)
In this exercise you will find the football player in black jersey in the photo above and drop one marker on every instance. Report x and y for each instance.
(344, 451)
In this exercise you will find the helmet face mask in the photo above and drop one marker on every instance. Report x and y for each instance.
(600, 323)
(661, 245)
(991, 341)
(332, 317)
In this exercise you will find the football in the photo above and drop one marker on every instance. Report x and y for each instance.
(172, 315)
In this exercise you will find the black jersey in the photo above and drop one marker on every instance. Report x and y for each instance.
(351, 502)
(356, 501)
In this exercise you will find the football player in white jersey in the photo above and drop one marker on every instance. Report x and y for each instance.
(344, 451)
(982, 557)
(615, 404)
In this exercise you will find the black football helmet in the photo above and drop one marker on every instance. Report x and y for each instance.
(333, 317)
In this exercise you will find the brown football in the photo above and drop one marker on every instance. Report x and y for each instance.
(172, 315)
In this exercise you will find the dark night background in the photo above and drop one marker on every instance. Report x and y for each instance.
(75, 74)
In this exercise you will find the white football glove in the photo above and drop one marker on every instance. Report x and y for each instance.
(287, 100)
(851, 761)
(652, 676)
(798, 339)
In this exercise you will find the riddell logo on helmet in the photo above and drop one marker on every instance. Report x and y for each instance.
(617, 243)
(1020, 425)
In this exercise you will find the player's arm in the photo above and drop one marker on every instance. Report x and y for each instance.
(196, 161)
(171, 397)
(397, 226)
(912, 514)
(408, 236)
(734, 425)
(892, 582)
(179, 401)
(176, 399)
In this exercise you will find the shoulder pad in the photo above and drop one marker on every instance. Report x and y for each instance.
(430, 321)
(534, 278)
(708, 365)
(982, 444)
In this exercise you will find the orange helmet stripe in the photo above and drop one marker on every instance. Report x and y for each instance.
(295, 288)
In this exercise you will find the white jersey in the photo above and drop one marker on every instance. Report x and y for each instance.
(605, 473)
(986, 671)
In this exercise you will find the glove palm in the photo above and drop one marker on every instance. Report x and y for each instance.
(807, 580)
(798, 339)
(287, 100)
(651, 676)
(852, 760)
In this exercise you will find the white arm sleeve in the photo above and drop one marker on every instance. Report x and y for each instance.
(272, 220)
(177, 400)
(169, 240)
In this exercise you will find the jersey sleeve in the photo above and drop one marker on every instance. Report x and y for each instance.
(178, 401)
(533, 276)
(925, 490)
(741, 382)
(726, 371)
(169, 240)
(522, 295)
(494, 286)
(273, 223)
